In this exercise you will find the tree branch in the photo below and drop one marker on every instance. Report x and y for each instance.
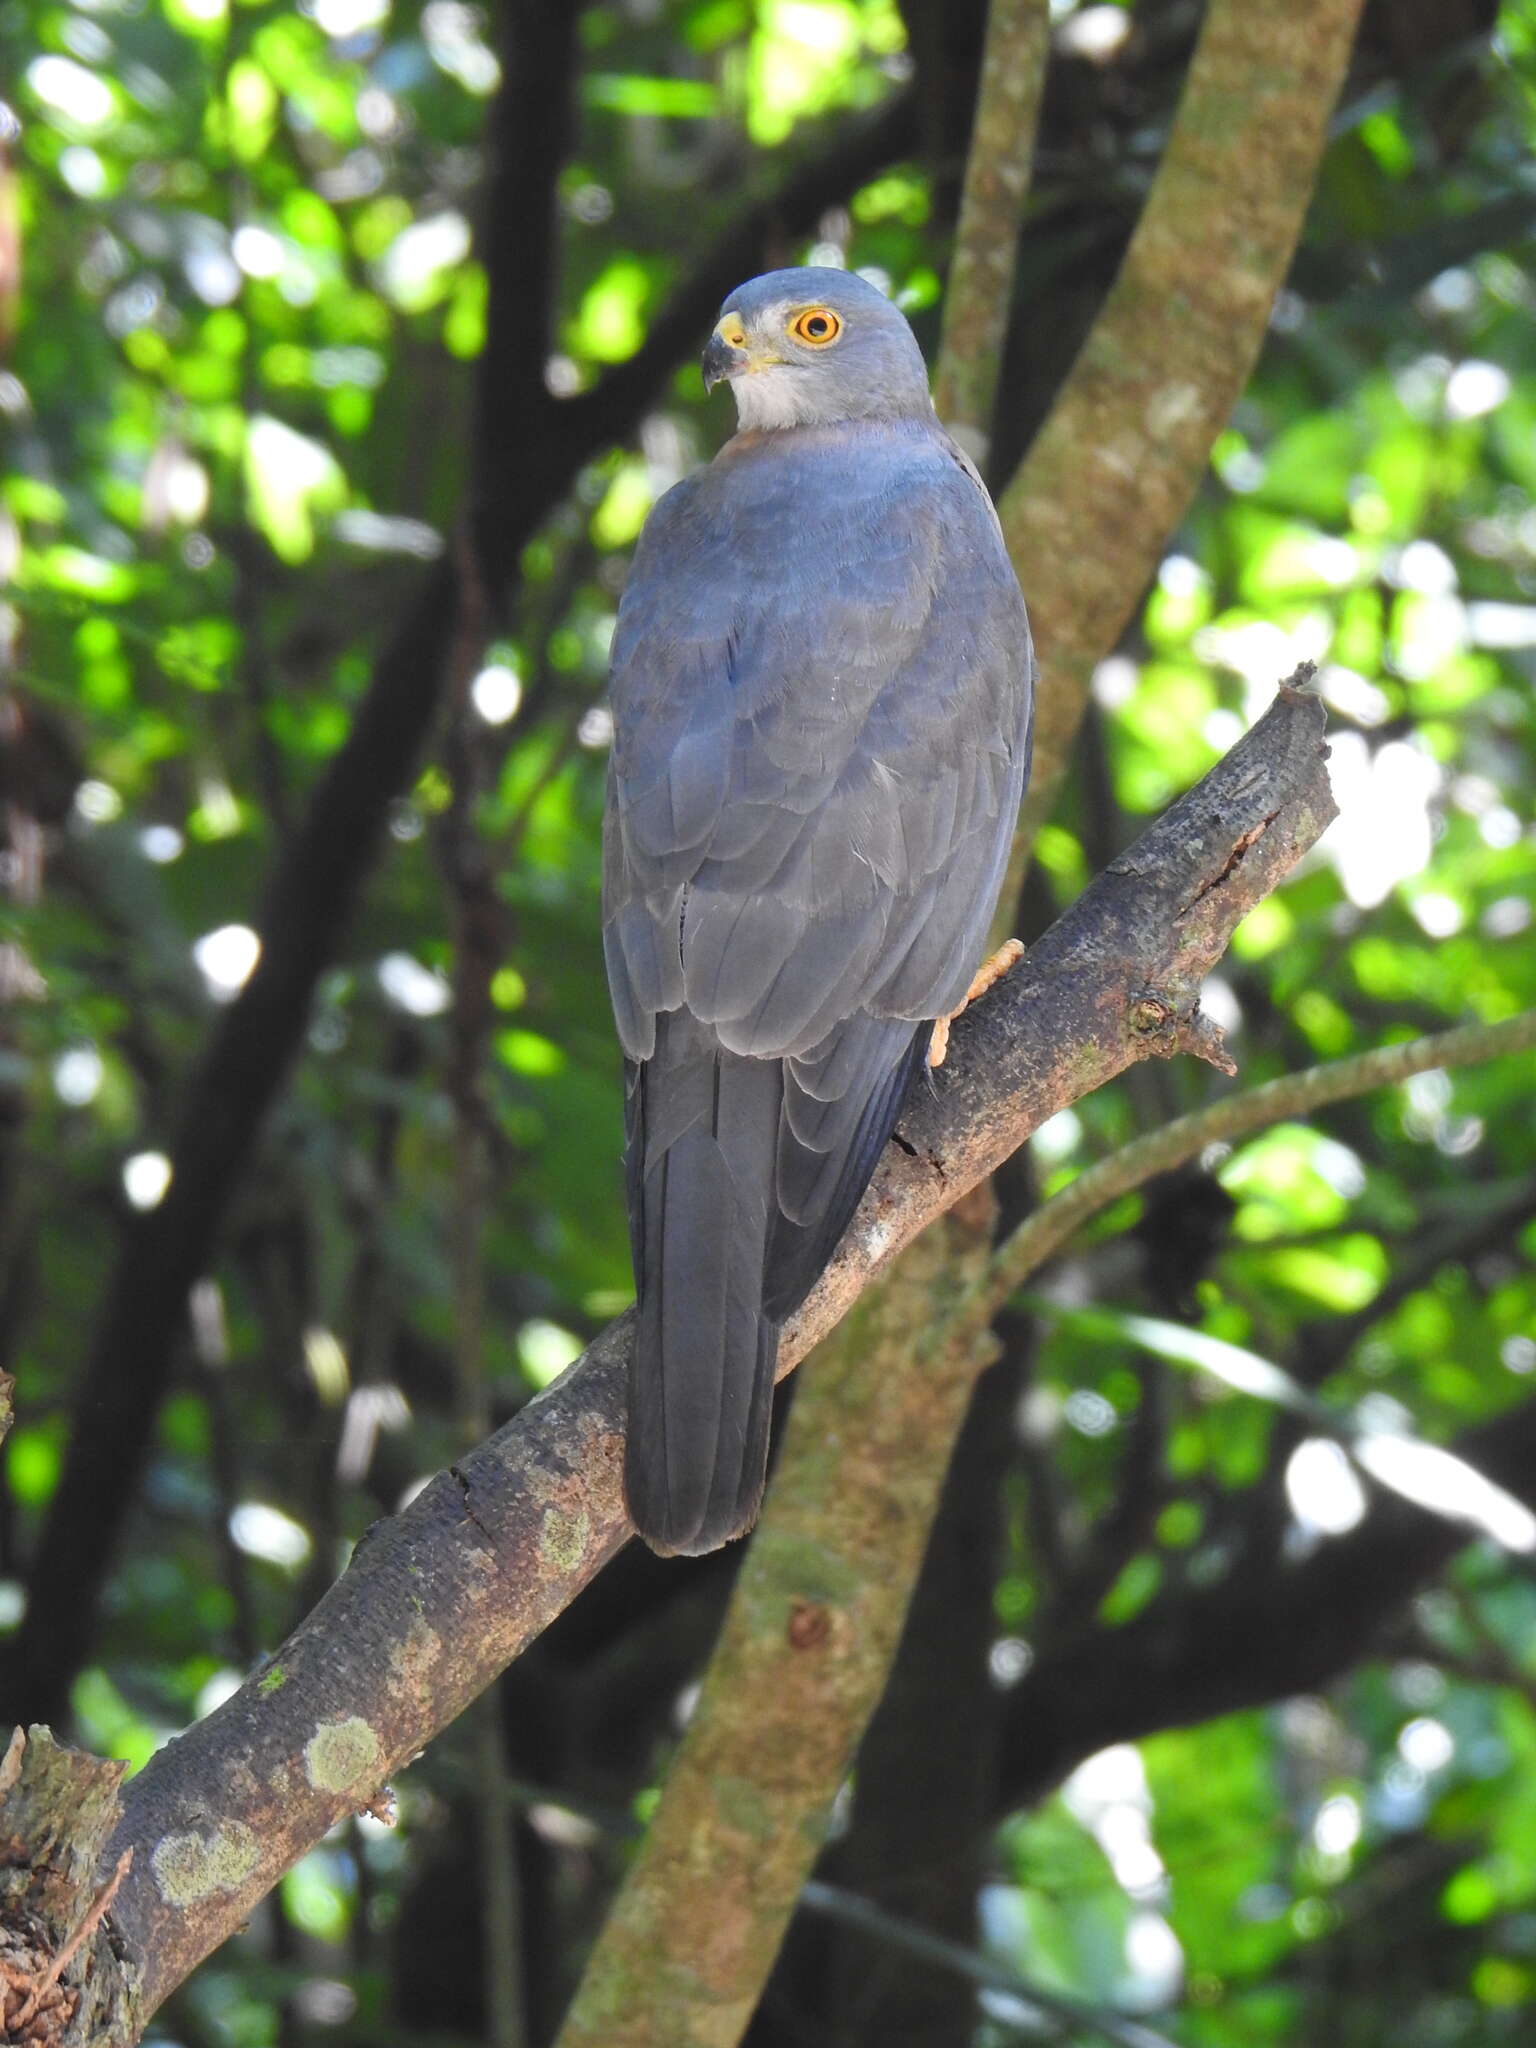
(60, 1803)
(438, 1600)
(1071, 2017)
(1092, 506)
(808, 1638)
(980, 287)
(919, 1839)
(1041, 1236)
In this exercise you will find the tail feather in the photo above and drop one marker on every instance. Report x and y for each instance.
(703, 1128)
(732, 1216)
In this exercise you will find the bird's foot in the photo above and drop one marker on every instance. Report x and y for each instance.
(1010, 951)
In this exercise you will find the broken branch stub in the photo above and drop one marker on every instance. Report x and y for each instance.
(62, 1978)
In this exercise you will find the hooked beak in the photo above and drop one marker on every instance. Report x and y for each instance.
(725, 354)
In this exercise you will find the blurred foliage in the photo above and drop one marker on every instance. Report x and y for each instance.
(234, 415)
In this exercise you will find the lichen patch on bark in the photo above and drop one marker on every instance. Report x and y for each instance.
(563, 1537)
(193, 1865)
(340, 1754)
(411, 1660)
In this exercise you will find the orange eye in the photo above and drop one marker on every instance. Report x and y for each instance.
(817, 324)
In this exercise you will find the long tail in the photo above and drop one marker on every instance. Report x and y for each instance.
(743, 1174)
(703, 1129)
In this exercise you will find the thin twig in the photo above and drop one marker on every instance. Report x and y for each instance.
(1040, 1236)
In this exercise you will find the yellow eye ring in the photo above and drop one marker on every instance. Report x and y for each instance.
(817, 325)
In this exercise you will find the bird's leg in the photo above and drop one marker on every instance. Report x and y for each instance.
(989, 971)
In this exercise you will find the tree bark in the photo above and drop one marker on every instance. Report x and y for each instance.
(924, 1788)
(60, 1978)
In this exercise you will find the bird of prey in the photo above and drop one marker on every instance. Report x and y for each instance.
(821, 685)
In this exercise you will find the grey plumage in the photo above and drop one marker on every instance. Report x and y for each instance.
(821, 689)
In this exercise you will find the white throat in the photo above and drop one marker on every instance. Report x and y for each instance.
(768, 398)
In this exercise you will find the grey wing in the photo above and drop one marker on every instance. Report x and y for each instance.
(818, 764)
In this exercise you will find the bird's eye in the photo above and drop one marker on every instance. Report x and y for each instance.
(817, 324)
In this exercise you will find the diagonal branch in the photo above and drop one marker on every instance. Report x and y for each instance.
(441, 1598)
(1068, 2018)
(1112, 471)
(1041, 1236)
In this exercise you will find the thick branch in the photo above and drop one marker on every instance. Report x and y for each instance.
(1092, 507)
(439, 1600)
(918, 1842)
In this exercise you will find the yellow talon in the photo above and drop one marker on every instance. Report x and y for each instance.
(987, 973)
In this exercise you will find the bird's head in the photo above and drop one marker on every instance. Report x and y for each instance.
(809, 347)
